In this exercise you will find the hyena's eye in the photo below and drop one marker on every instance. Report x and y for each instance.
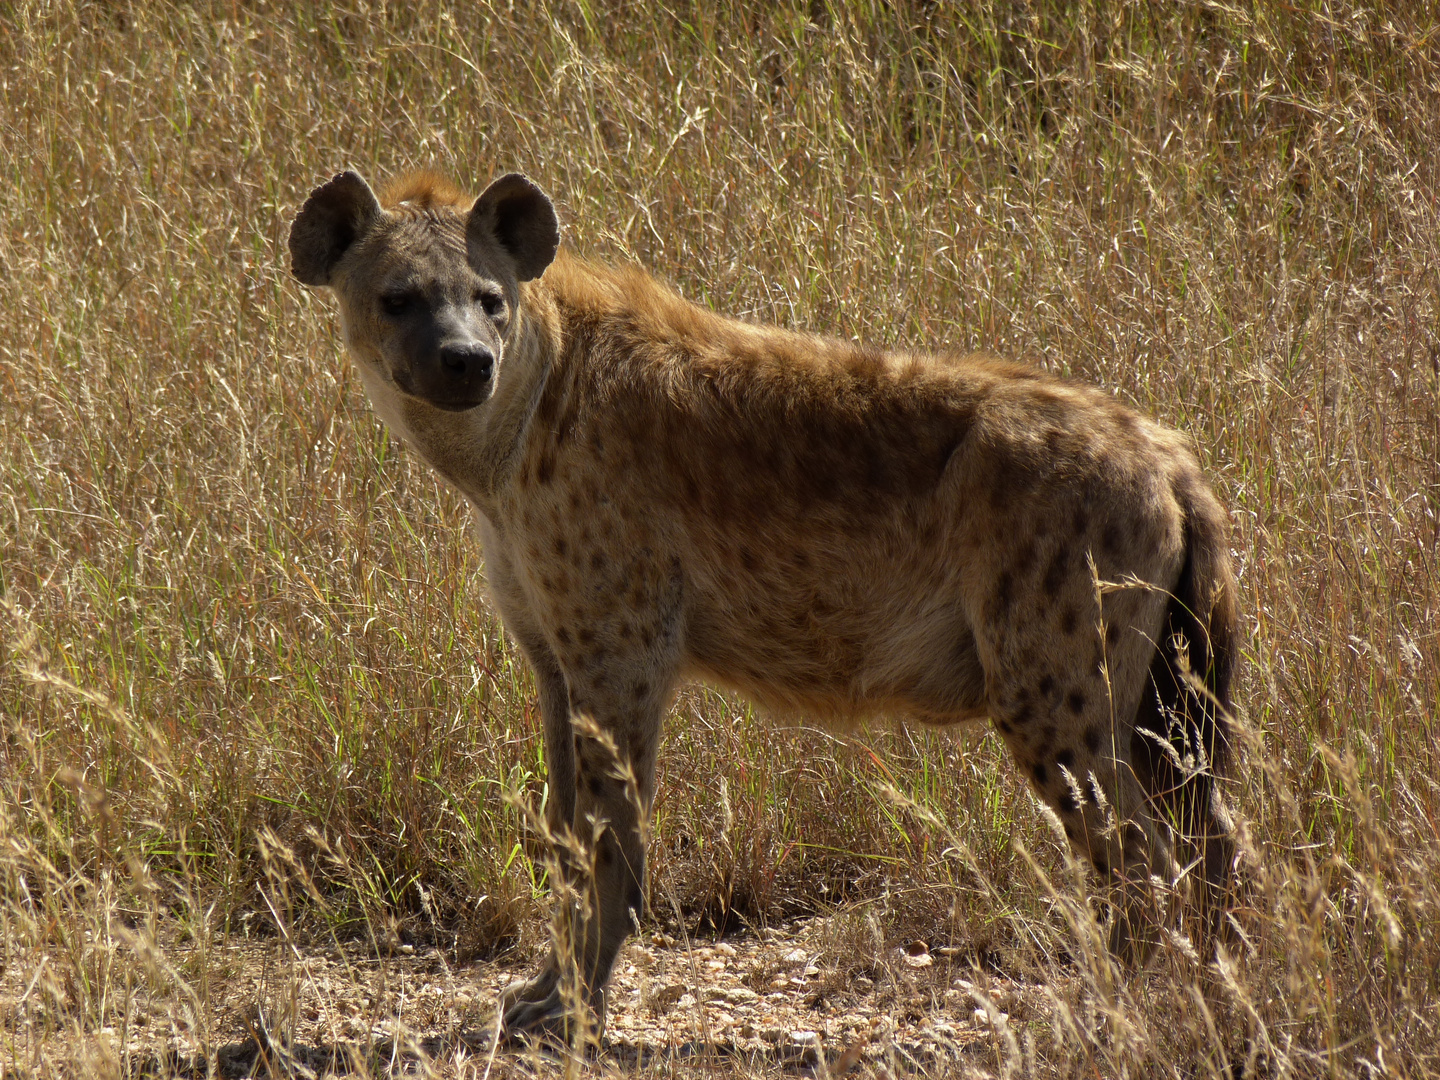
(492, 302)
(397, 303)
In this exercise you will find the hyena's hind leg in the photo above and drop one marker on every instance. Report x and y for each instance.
(1063, 687)
(1101, 806)
(1181, 742)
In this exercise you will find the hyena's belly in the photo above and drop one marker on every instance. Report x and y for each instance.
(867, 639)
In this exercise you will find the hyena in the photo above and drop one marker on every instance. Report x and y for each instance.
(831, 529)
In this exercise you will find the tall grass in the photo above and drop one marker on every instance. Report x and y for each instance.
(250, 682)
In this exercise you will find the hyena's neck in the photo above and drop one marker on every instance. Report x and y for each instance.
(525, 367)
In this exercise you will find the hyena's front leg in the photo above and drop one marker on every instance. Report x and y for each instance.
(554, 696)
(615, 714)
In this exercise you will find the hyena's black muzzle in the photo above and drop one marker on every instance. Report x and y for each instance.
(448, 363)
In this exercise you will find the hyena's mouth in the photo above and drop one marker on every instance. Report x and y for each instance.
(453, 374)
(472, 397)
(452, 406)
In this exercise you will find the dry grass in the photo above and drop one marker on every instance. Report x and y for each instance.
(250, 684)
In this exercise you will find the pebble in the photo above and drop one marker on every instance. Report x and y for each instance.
(982, 1018)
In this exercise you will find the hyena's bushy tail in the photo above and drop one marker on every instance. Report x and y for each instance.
(1182, 744)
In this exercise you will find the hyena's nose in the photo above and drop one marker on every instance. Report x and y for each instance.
(469, 361)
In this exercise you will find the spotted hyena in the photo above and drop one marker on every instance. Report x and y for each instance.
(833, 530)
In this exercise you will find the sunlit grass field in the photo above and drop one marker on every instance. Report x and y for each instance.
(250, 685)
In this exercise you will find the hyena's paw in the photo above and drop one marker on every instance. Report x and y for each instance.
(539, 1008)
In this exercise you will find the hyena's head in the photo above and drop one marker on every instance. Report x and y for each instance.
(428, 285)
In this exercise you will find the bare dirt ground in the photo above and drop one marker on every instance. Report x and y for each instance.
(781, 1002)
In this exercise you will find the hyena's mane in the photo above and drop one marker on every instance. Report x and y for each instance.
(423, 190)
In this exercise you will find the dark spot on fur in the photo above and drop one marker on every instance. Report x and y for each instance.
(1005, 727)
(563, 636)
(1081, 522)
(1075, 702)
(1112, 635)
(560, 546)
(1004, 594)
(747, 559)
(1101, 866)
(1069, 832)
(1092, 738)
(545, 469)
(641, 689)
(1068, 806)
(586, 636)
(1112, 539)
(1066, 759)
(1047, 688)
(1069, 619)
(1056, 573)
(1040, 773)
(597, 561)
(1024, 559)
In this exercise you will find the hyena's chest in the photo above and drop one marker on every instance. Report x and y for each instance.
(600, 576)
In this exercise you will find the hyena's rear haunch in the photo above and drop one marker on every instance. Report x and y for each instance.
(833, 530)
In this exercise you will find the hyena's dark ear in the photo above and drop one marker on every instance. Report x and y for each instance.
(519, 217)
(334, 216)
